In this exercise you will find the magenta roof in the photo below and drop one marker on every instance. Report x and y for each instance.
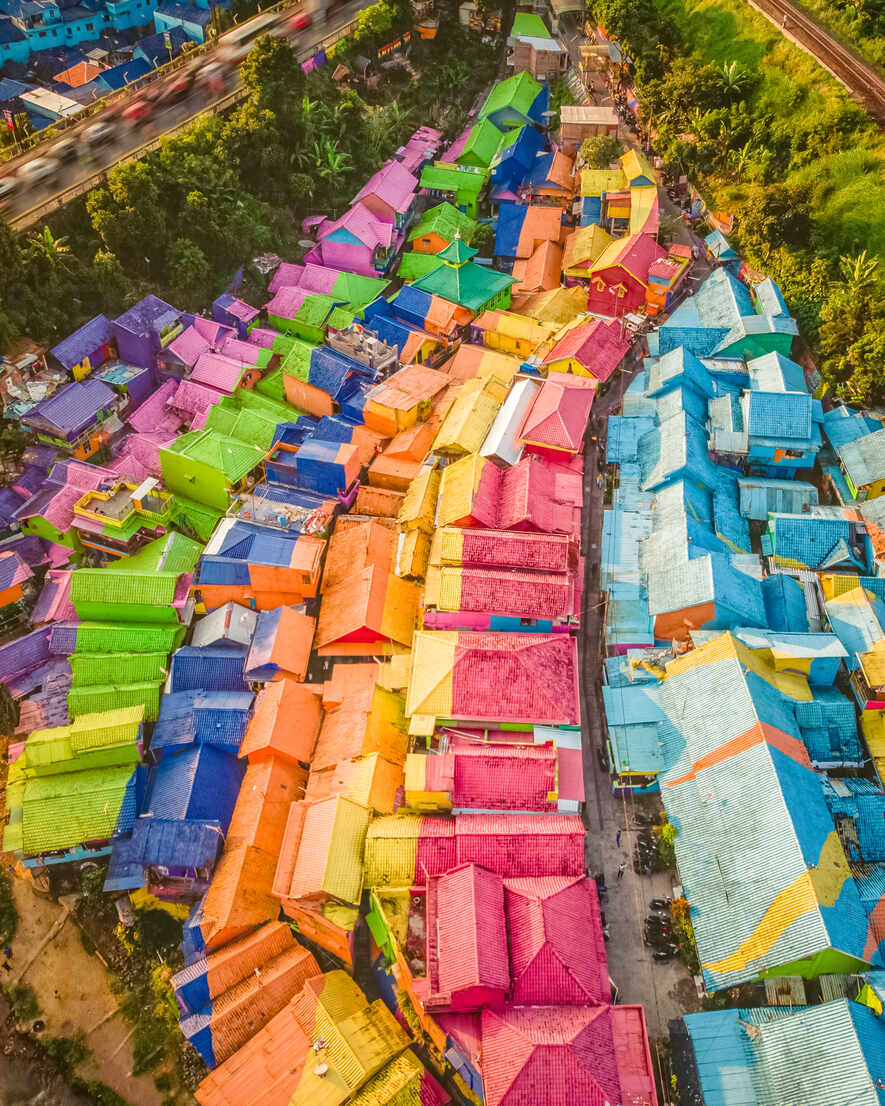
(393, 184)
(557, 951)
(261, 336)
(508, 549)
(140, 457)
(520, 845)
(599, 346)
(466, 940)
(287, 275)
(194, 398)
(558, 417)
(188, 346)
(214, 332)
(243, 311)
(217, 371)
(286, 302)
(537, 494)
(153, 412)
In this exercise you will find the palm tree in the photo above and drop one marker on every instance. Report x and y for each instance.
(740, 159)
(44, 246)
(859, 272)
(328, 161)
(734, 77)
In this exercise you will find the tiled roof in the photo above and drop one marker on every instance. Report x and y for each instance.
(599, 346)
(501, 549)
(393, 184)
(322, 850)
(558, 417)
(286, 722)
(504, 777)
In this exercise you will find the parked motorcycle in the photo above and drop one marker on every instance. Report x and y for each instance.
(660, 904)
(668, 952)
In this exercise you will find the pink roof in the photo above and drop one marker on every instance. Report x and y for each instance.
(466, 939)
(362, 224)
(454, 151)
(521, 845)
(521, 594)
(637, 254)
(286, 302)
(557, 950)
(570, 774)
(217, 371)
(506, 549)
(599, 346)
(437, 849)
(213, 332)
(193, 397)
(188, 346)
(537, 494)
(237, 350)
(504, 777)
(152, 413)
(393, 184)
(465, 1030)
(140, 457)
(243, 311)
(261, 336)
(287, 275)
(54, 603)
(558, 417)
(552, 1055)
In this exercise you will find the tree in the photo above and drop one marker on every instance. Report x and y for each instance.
(735, 79)
(190, 271)
(130, 217)
(272, 74)
(601, 151)
(773, 216)
(44, 246)
(859, 273)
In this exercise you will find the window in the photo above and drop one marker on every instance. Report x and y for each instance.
(42, 34)
(54, 33)
(90, 27)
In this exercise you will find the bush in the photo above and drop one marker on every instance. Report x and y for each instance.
(601, 151)
(8, 911)
(23, 1000)
(100, 1093)
(68, 1052)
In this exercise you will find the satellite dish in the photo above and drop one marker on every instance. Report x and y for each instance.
(305, 243)
(321, 1070)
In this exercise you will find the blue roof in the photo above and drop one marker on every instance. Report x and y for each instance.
(843, 424)
(150, 314)
(83, 342)
(780, 416)
(218, 669)
(329, 369)
(202, 717)
(813, 541)
(10, 89)
(186, 13)
(200, 784)
(785, 609)
(154, 49)
(508, 228)
(537, 176)
(118, 76)
(829, 730)
(73, 408)
(719, 246)
(768, 298)
(411, 305)
(163, 843)
(10, 33)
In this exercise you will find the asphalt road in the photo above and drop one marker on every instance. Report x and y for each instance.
(79, 175)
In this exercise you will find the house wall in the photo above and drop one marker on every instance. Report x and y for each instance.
(601, 298)
(825, 962)
(505, 343)
(310, 333)
(39, 527)
(347, 256)
(568, 365)
(429, 243)
(195, 480)
(165, 22)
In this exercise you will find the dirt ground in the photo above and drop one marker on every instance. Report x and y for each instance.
(72, 989)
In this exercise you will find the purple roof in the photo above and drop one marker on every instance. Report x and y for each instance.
(188, 346)
(82, 342)
(31, 549)
(393, 184)
(54, 603)
(10, 501)
(218, 372)
(13, 569)
(24, 653)
(149, 314)
(73, 408)
(30, 480)
(42, 455)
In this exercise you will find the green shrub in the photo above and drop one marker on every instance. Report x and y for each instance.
(23, 1000)
(68, 1052)
(8, 911)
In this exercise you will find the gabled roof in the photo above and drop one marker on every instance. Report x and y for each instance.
(82, 342)
(598, 345)
(281, 645)
(635, 254)
(558, 417)
(322, 851)
(444, 220)
(518, 93)
(481, 145)
(360, 223)
(393, 184)
(72, 408)
(286, 722)
(443, 177)
(469, 285)
(584, 245)
(494, 676)
(542, 271)
(371, 608)
(557, 951)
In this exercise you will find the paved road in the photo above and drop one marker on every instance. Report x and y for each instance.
(36, 202)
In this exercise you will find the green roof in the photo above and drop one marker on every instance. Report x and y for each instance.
(457, 252)
(94, 740)
(235, 459)
(97, 697)
(340, 318)
(172, 553)
(64, 810)
(124, 668)
(272, 385)
(315, 309)
(481, 145)
(518, 93)
(196, 517)
(415, 265)
(358, 291)
(297, 361)
(469, 285)
(446, 221)
(109, 637)
(445, 177)
(99, 585)
(533, 26)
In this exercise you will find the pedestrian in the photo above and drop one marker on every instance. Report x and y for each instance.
(7, 967)
(618, 839)
(622, 867)
(7, 952)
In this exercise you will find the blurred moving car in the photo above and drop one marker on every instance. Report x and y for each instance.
(236, 44)
(37, 170)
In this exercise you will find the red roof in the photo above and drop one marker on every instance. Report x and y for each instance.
(504, 777)
(466, 940)
(557, 951)
(513, 677)
(516, 845)
(599, 346)
(520, 594)
(558, 417)
(557, 1056)
(506, 549)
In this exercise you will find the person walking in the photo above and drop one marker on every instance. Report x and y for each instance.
(622, 867)
(618, 839)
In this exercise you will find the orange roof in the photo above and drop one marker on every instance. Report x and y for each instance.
(469, 360)
(239, 897)
(415, 341)
(307, 554)
(542, 271)
(371, 781)
(371, 606)
(393, 473)
(444, 314)
(541, 224)
(407, 388)
(562, 170)
(366, 441)
(412, 444)
(379, 502)
(286, 722)
(361, 718)
(81, 73)
(289, 650)
(355, 545)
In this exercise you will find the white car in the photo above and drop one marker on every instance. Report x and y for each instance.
(99, 133)
(40, 169)
(8, 189)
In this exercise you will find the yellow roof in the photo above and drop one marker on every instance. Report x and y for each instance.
(457, 488)
(370, 781)
(392, 850)
(634, 164)
(873, 725)
(419, 506)
(642, 201)
(512, 325)
(433, 663)
(873, 665)
(558, 306)
(330, 854)
(397, 1082)
(584, 244)
(596, 181)
(727, 647)
(414, 549)
(468, 420)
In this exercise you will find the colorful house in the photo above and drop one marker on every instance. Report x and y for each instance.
(438, 227)
(389, 194)
(665, 277)
(593, 349)
(549, 181)
(510, 333)
(555, 424)
(580, 121)
(515, 102)
(145, 330)
(207, 466)
(461, 281)
(521, 229)
(404, 399)
(86, 349)
(481, 145)
(459, 185)
(516, 155)
(73, 418)
(619, 276)
(358, 242)
(533, 50)
(582, 248)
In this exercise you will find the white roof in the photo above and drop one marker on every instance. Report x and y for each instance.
(550, 45)
(41, 99)
(587, 113)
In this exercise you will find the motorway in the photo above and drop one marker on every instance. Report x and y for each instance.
(38, 201)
